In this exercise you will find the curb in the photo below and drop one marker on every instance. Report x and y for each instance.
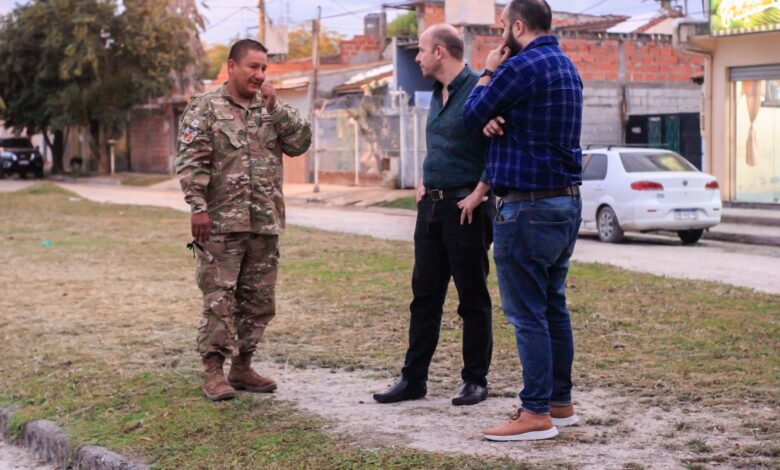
(746, 239)
(48, 442)
(750, 220)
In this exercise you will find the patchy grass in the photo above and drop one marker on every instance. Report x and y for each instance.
(142, 180)
(409, 202)
(98, 333)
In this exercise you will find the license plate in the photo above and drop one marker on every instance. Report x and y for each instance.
(24, 162)
(686, 214)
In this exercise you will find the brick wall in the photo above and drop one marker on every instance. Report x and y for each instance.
(151, 139)
(360, 49)
(645, 59)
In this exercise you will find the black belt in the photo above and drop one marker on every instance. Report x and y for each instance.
(441, 194)
(524, 196)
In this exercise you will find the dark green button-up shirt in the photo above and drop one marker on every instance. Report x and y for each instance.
(456, 155)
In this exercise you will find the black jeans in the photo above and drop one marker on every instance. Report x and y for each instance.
(444, 249)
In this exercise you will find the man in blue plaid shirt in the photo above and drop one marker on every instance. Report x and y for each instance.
(529, 102)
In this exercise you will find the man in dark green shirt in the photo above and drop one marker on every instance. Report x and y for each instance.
(453, 232)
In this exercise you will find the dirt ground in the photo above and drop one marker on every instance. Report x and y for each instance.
(615, 430)
(14, 458)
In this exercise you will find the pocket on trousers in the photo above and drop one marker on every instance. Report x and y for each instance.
(549, 239)
(507, 214)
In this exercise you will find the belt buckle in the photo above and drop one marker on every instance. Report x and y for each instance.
(437, 194)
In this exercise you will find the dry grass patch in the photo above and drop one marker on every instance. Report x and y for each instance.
(99, 326)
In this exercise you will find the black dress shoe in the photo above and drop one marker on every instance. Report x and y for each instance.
(470, 394)
(403, 390)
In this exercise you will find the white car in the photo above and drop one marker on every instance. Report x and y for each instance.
(643, 190)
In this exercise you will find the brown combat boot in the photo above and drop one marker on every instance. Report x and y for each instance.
(242, 377)
(215, 386)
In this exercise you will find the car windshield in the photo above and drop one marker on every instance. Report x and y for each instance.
(638, 162)
(15, 143)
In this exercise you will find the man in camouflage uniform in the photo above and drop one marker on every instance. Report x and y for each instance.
(229, 162)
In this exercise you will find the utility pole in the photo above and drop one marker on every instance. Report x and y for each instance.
(315, 69)
(261, 21)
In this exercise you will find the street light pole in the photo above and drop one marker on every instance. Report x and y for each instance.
(315, 69)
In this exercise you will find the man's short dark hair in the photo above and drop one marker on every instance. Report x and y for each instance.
(536, 14)
(240, 48)
(450, 41)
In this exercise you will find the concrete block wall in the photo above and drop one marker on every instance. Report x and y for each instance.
(601, 111)
(601, 114)
(643, 100)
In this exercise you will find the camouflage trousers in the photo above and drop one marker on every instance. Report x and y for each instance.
(237, 274)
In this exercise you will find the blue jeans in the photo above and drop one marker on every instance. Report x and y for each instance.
(533, 242)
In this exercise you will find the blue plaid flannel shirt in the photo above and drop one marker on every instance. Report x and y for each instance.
(539, 94)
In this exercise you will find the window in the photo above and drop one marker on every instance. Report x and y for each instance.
(638, 162)
(595, 168)
(756, 148)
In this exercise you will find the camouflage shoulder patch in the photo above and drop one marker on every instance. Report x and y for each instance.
(189, 135)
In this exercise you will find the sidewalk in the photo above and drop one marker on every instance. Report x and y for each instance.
(746, 226)
(749, 226)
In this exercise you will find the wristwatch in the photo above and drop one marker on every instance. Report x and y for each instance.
(486, 73)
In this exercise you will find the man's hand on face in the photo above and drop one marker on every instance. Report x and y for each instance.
(494, 127)
(268, 93)
(496, 57)
(201, 226)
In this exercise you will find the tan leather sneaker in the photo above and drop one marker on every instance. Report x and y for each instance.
(522, 426)
(242, 377)
(563, 415)
(215, 387)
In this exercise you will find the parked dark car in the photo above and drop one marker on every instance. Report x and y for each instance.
(17, 155)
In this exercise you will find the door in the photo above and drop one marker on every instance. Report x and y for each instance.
(654, 131)
(593, 175)
(672, 133)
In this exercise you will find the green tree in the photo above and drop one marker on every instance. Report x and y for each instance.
(403, 26)
(88, 62)
(300, 43)
(217, 55)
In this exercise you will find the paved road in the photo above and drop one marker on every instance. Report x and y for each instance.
(742, 265)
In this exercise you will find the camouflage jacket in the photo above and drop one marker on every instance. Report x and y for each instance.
(229, 160)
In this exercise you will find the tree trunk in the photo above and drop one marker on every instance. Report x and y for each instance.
(57, 151)
(96, 147)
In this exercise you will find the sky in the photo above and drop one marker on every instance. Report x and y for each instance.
(227, 19)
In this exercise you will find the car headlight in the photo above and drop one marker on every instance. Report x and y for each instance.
(9, 155)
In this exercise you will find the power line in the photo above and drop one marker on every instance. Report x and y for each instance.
(340, 5)
(593, 6)
(240, 10)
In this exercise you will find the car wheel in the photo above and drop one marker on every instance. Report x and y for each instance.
(608, 226)
(39, 173)
(689, 237)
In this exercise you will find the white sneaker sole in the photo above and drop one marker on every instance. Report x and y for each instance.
(563, 422)
(526, 436)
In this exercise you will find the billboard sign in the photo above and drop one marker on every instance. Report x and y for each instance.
(729, 17)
